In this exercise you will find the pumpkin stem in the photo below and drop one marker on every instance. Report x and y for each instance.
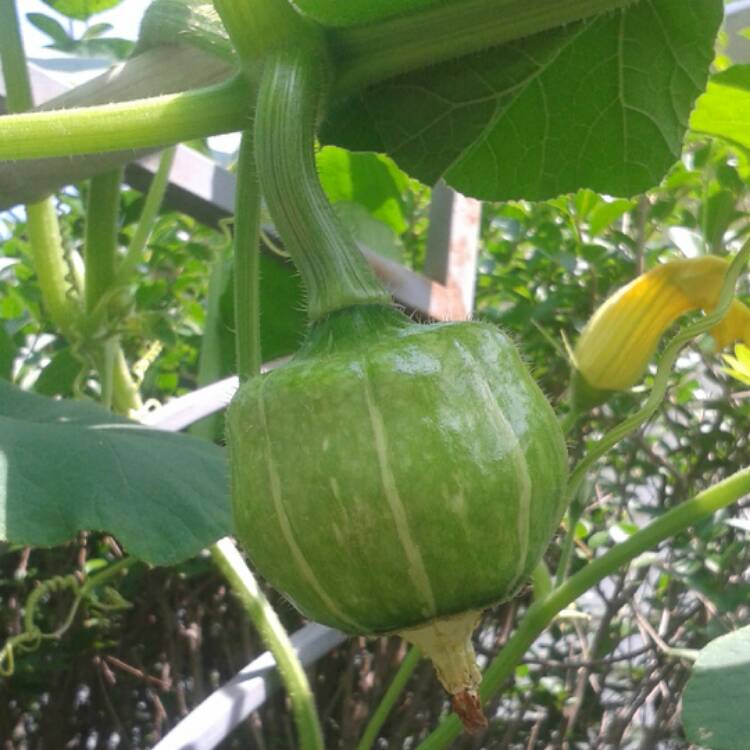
(332, 267)
(447, 643)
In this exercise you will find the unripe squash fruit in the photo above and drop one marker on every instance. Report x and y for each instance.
(396, 475)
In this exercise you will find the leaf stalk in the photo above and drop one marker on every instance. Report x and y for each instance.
(247, 262)
(334, 271)
(265, 619)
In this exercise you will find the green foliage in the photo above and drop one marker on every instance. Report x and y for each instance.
(372, 233)
(715, 701)
(600, 104)
(724, 110)
(81, 10)
(372, 180)
(67, 467)
(92, 43)
(739, 365)
(544, 268)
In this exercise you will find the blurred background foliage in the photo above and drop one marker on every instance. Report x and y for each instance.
(608, 674)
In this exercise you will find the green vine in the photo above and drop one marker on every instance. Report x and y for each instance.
(275, 637)
(32, 635)
(140, 123)
(58, 294)
(18, 96)
(151, 206)
(247, 262)
(388, 701)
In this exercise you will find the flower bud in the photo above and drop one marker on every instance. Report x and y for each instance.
(621, 337)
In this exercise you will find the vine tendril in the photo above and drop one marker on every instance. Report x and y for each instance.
(33, 635)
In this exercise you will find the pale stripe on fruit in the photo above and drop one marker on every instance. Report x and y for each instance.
(417, 572)
(286, 530)
(520, 467)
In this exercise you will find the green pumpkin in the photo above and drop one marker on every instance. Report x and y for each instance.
(395, 474)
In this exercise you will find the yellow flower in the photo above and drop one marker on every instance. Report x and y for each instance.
(622, 335)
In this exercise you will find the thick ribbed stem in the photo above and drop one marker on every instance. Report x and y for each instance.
(259, 28)
(374, 52)
(334, 271)
(247, 262)
(100, 252)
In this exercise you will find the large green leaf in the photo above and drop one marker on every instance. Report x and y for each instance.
(724, 110)
(602, 103)
(372, 233)
(357, 12)
(371, 180)
(81, 10)
(68, 466)
(715, 701)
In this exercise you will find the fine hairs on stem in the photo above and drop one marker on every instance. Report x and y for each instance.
(264, 618)
(333, 270)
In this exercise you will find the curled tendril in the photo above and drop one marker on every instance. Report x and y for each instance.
(661, 379)
(225, 227)
(33, 635)
(273, 245)
(55, 585)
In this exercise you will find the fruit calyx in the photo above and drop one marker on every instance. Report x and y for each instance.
(446, 641)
